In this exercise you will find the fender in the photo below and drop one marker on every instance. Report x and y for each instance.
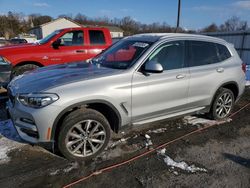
(77, 105)
(231, 82)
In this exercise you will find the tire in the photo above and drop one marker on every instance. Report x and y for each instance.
(18, 70)
(221, 109)
(74, 128)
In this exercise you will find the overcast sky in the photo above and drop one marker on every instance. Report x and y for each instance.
(195, 13)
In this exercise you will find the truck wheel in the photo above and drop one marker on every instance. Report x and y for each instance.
(222, 105)
(18, 70)
(84, 134)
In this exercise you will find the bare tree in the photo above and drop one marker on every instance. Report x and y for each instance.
(211, 28)
(234, 24)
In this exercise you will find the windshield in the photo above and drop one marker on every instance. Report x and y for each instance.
(48, 37)
(122, 54)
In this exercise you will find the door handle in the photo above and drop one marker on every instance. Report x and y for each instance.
(220, 70)
(81, 51)
(180, 76)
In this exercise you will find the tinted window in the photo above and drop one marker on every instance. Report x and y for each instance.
(223, 52)
(170, 55)
(72, 38)
(96, 37)
(202, 53)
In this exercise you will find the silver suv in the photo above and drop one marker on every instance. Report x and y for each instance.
(140, 79)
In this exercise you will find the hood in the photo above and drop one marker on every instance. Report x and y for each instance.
(52, 76)
(12, 47)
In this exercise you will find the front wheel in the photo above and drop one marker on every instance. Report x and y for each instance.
(18, 70)
(222, 105)
(84, 134)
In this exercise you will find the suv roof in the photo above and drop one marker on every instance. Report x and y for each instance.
(153, 37)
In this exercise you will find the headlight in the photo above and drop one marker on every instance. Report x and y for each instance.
(4, 61)
(37, 100)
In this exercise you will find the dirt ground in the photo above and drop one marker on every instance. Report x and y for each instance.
(220, 155)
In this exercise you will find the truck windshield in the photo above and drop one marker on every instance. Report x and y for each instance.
(122, 54)
(48, 37)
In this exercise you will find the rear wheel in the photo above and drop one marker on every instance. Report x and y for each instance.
(18, 70)
(222, 105)
(84, 134)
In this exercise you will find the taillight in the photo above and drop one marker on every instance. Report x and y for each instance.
(244, 67)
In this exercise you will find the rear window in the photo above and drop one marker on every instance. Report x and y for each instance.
(96, 37)
(202, 53)
(223, 52)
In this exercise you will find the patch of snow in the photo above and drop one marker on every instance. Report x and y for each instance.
(54, 173)
(181, 165)
(162, 151)
(3, 153)
(122, 140)
(160, 130)
(193, 120)
(147, 136)
(248, 83)
(8, 136)
(71, 167)
(149, 142)
(176, 173)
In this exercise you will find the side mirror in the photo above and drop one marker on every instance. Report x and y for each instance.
(153, 67)
(56, 43)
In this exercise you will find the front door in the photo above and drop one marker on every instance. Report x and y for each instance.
(72, 48)
(159, 94)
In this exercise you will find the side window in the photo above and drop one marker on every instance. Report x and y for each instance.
(202, 53)
(96, 37)
(170, 55)
(223, 52)
(72, 38)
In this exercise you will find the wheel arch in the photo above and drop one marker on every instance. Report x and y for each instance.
(28, 62)
(232, 85)
(105, 108)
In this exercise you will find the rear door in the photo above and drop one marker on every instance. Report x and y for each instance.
(159, 94)
(96, 42)
(207, 62)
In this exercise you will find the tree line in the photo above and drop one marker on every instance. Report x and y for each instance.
(13, 24)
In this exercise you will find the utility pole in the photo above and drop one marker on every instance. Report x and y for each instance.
(178, 15)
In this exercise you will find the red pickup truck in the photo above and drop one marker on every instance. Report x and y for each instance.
(64, 45)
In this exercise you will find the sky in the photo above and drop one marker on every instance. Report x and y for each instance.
(195, 14)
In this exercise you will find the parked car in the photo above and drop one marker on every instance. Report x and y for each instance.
(140, 79)
(3, 42)
(65, 45)
(5, 70)
(17, 41)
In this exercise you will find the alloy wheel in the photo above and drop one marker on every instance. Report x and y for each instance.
(85, 138)
(224, 105)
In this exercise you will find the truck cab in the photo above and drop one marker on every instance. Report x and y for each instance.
(64, 45)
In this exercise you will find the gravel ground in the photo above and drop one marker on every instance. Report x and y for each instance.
(222, 154)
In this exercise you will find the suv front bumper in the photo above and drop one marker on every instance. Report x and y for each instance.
(33, 125)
